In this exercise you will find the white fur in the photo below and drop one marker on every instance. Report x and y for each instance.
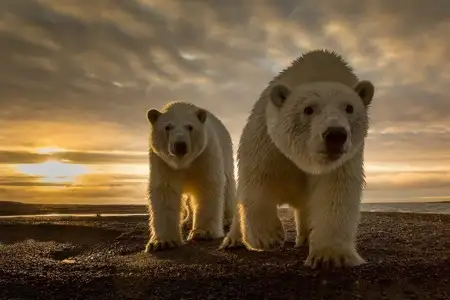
(281, 161)
(198, 187)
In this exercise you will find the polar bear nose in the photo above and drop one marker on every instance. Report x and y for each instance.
(180, 148)
(335, 138)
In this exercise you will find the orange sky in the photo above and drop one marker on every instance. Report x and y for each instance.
(78, 78)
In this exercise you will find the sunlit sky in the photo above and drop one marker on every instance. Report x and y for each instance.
(78, 76)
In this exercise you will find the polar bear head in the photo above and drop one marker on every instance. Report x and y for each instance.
(319, 125)
(178, 135)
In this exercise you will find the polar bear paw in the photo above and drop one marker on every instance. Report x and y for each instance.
(265, 239)
(160, 245)
(201, 235)
(230, 242)
(329, 257)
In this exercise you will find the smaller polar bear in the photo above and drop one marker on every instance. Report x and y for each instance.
(191, 177)
(303, 146)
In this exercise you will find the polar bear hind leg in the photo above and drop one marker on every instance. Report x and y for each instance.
(230, 202)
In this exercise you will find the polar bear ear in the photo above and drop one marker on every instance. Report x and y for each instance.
(279, 94)
(201, 115)
(153, 115)
(365, 90)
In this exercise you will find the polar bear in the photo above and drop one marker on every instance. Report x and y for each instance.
(303, 146)
(192, 175)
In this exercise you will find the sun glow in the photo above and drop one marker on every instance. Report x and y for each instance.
(54, 171)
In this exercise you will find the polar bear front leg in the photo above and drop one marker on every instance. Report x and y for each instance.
(334, 216)
(261, 227)
(301, 224)
(208, 208)
(164, 210)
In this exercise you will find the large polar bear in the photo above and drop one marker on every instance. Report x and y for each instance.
(303, 146)
(192, 172)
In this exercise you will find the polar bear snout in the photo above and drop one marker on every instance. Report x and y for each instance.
(335, 138)
(179, 149)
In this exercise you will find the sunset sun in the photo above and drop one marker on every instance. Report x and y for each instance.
(53, 171)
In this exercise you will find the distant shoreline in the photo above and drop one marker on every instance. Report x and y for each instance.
(20, 208)
(15, 209)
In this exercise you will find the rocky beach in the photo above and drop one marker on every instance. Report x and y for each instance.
(102, 258)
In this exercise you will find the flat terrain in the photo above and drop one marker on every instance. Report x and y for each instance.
(102, 258)
(8, 208)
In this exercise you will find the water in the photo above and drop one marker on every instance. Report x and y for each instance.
(422, 207)
(408, 207)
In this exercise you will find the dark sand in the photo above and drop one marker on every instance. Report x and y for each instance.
(102, 258)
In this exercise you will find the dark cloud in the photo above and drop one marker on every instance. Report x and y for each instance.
(20, 157)
(111, 61)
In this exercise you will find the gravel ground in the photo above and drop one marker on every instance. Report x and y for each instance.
(101, 258)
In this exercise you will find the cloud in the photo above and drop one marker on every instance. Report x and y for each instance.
(73, 195)
(92, 188)
(409, 180)
(77, 157)
(80, 75)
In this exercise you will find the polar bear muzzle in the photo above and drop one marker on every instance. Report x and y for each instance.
(335, 138)
(179, 148)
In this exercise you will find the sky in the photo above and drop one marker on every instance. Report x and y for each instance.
(77, 78)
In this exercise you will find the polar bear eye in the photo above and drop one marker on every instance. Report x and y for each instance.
(308, 110)
(189, 127)
(349, 109)
(168, 127)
